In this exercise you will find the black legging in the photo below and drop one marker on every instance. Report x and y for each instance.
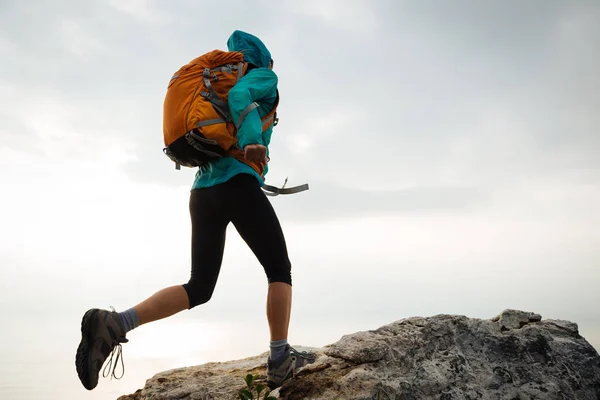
(242, 202)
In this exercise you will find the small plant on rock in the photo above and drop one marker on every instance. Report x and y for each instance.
(254, 390)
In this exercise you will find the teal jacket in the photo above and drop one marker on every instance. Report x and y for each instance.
(260, 86)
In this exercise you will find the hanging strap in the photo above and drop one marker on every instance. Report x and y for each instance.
(275, 191)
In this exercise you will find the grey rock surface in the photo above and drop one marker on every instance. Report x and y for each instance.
(513, 356)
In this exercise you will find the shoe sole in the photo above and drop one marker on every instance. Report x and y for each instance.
(272, 385)
(81, 359)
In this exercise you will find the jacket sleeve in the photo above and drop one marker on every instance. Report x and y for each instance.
(259, 84)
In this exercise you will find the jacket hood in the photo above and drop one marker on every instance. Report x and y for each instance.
(254, 49)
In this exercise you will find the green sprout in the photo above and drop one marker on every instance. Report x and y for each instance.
(254, 389)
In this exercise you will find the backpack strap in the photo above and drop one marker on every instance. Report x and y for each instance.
(240, 68)
(245, 113)
(272, 116)
(208, 122)
(212, 96)
(266, 120)
(275, 191)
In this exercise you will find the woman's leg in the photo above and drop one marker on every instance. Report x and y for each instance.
(162, 304)
(257, 223)
(209, 224)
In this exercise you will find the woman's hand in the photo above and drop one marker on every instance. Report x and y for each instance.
(255, 153)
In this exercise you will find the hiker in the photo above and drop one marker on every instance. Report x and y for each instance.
(226, 189)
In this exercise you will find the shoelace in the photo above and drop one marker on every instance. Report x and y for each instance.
(303, 354)
(118, 354)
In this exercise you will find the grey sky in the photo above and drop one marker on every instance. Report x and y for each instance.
(452, 150)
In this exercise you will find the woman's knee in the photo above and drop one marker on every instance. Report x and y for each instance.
(282, 273)
(198, 293)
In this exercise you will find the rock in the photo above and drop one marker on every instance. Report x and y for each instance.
(515, 355)
(514, 319)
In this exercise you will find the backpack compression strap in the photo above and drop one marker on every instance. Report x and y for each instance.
(213, 97)
(275, 191)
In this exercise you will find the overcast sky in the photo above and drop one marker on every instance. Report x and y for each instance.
(452, 148)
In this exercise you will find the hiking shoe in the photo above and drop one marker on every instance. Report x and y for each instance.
(101, 334)
(285, 367)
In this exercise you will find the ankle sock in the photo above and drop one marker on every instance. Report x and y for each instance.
(130, 320)
(278, 348)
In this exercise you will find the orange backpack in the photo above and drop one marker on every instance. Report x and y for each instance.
(197, 124)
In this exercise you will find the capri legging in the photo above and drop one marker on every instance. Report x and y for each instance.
(242, 202)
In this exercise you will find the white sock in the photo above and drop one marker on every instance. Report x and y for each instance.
(278, 348)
